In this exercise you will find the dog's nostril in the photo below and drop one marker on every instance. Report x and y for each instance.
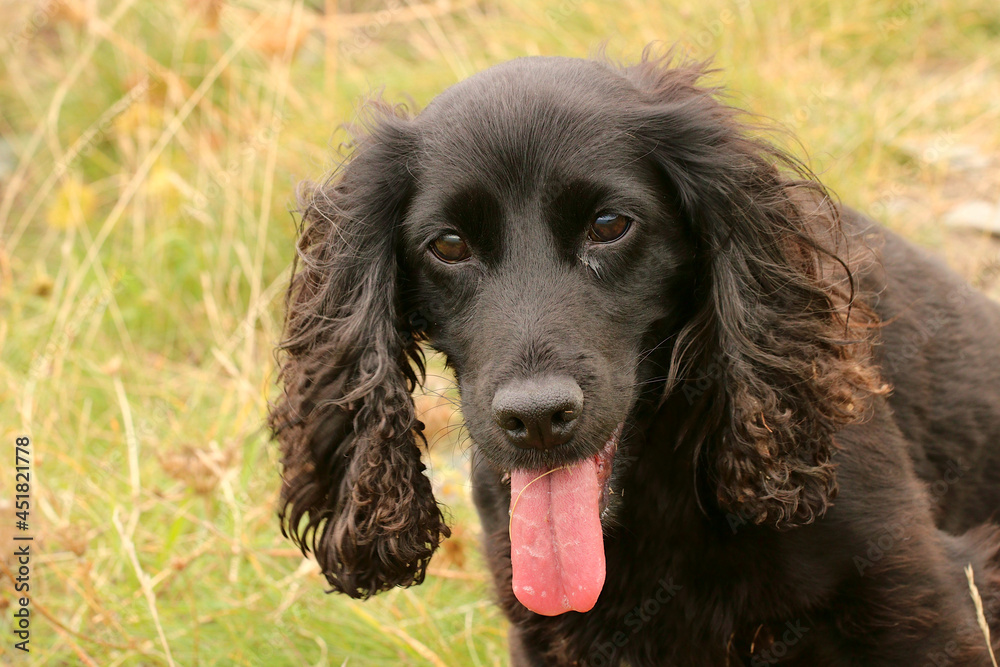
(563, 418)
(540, 413)
(510, 423)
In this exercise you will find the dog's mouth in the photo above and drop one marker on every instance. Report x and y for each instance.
(557, 542)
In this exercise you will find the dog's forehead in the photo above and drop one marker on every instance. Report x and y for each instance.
(525, 120)
(534, 77)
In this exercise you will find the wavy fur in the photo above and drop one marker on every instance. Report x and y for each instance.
(354, 490)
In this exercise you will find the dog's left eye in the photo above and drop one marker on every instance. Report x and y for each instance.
(450, 248)
(608, 227)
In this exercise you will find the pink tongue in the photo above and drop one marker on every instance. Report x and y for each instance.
(557, 546)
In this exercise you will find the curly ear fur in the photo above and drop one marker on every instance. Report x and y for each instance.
(778, 337)
(354, 492)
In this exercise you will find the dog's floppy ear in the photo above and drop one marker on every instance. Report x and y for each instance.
(777, 357)
(354, 490)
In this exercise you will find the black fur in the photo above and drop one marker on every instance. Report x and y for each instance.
(811, 406)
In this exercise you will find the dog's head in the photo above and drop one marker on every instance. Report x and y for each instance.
(576, 238)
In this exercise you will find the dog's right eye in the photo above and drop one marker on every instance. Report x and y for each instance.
(451, 248)
(608, 227)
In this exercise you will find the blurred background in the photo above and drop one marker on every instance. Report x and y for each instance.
(149, 153)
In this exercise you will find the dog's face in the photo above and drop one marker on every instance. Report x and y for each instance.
(570, 235)
(541, 246)
(542, 250)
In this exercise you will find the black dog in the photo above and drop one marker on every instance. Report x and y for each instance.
(718, 419)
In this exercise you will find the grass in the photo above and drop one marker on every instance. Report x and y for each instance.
(148, 157)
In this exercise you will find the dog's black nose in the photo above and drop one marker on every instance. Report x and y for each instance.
(539, 413)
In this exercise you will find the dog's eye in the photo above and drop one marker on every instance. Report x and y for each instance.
(608, 227)
(450, 248)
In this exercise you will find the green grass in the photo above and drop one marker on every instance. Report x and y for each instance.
(148, 160)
